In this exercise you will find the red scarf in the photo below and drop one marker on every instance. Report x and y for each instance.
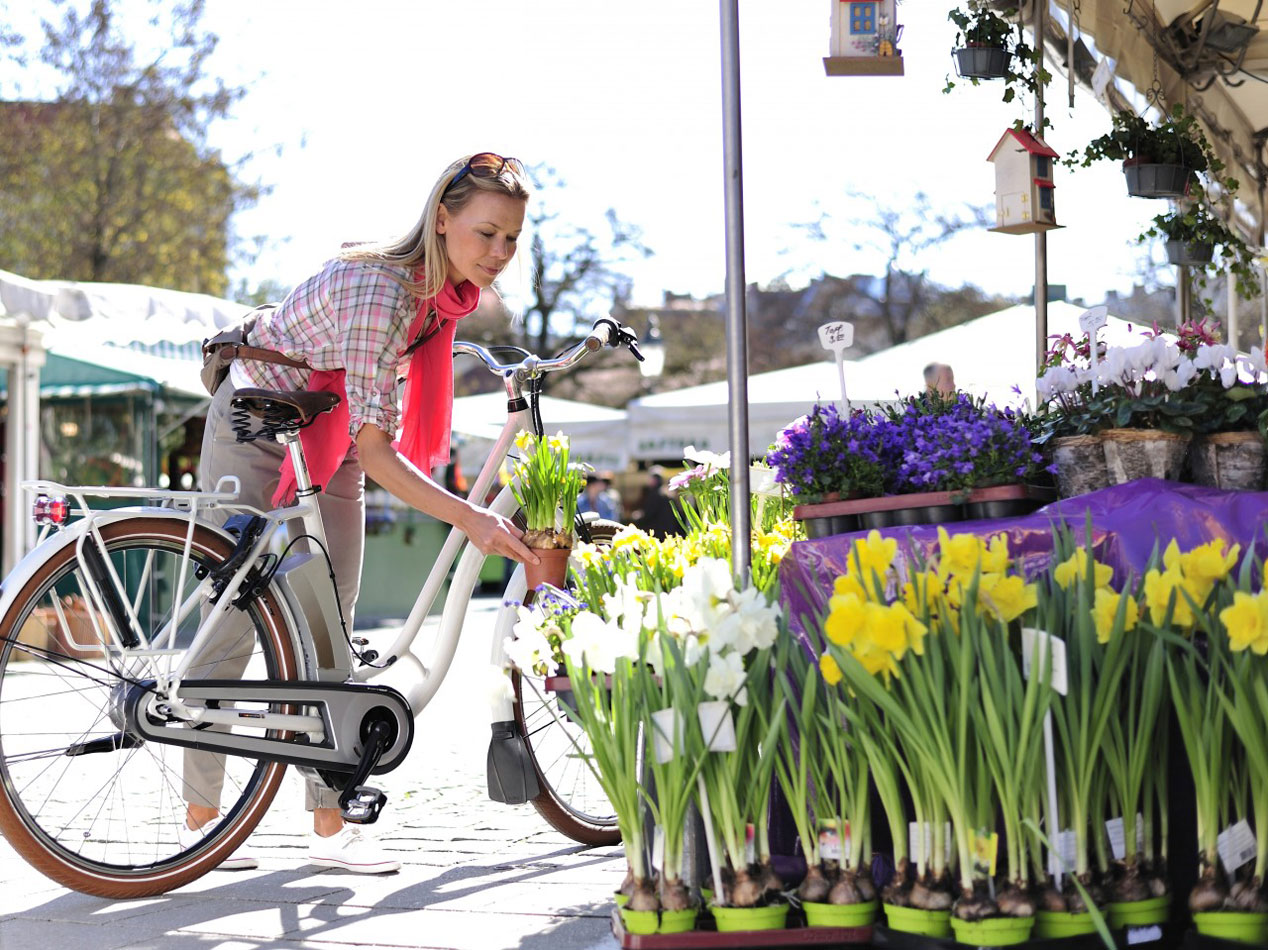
(428, 406)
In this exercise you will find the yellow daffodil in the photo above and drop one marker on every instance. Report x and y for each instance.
(1008, 597)
(1205, 565)
(557, 442)
(524, 440)
(887, 629)
(873, 554)
(1105, 612)
(848, 584)
(846, 618)
(1159, 588)
(995, 555)
(960, 553)
(922, 594)
(828, 667)
(1075, 568)
(877, 661)
(1246, 621)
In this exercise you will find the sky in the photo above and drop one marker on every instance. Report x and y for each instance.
(368, 101)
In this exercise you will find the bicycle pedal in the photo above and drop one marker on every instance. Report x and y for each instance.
(364, 806)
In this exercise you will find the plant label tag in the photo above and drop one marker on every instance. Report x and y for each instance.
(985, 852)
(1040, 642)
(666, 734)
(1236, 846)
(837, 336)
(920, 846)
(1117, 838)
(1067, 849)
(1092, 320)
(1146, 934)
(829, 841)
(761, 481)
(658, 848)
(717, 725)
(750, 844)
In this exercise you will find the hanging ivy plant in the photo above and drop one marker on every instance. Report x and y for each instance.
(1195, 223)
(981, 26)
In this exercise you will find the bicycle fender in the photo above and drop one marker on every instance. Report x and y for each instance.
(57, 540)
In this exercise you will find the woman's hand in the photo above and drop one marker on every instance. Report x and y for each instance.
(493, 534)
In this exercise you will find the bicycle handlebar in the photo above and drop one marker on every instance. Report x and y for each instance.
(605, 332)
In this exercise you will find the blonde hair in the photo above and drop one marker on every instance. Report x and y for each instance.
(422, 246)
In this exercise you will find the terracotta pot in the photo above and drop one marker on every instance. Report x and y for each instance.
(1144, 453)
(1233, 461)
(1080, 461)
(553, 568)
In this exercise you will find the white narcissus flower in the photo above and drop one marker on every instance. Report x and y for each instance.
(497, 687)
(755, 621)
(710, 460)
(530, 650)
(726, 676)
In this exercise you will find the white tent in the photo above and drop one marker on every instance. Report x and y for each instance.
(990, 356)
(597, 434)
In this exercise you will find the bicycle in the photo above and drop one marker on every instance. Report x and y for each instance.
(94, 721)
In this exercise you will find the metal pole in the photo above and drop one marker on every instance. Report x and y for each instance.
(1041, 237)
(736, 319)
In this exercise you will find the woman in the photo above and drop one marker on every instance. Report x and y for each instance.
(368, 312)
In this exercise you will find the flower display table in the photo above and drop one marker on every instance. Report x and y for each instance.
(1127, 520)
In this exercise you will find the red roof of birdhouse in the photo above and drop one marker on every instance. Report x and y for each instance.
(1031, 143)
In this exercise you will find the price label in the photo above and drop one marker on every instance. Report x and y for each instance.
(1237, 846)
(1093, 319)
(837, 336)
(1118, 836)
(658, 848)
(1147, 934)
(1040, 649)
(920, 846)
(985, 852)
(1067, 849)
(830, 840)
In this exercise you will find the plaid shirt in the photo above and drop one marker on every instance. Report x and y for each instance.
(352, 315)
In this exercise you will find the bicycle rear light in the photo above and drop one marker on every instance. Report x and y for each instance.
(53, 510)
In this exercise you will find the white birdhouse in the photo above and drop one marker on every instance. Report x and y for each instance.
(1024, 201)
(865, 36)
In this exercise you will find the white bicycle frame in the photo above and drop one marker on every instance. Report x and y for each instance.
(416, 678)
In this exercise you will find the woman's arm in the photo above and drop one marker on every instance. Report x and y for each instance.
(489, 532)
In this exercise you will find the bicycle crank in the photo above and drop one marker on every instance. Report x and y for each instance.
(324, 726)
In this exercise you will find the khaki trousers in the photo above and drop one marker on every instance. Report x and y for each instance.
(342, 504)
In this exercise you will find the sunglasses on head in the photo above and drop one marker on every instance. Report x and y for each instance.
(486, 165)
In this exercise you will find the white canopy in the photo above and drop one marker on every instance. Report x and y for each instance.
(989, 356)
(597, 434)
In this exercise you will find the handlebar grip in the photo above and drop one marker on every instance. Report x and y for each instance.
(604, 333)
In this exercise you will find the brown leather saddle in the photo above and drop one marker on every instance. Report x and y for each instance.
(284, 409)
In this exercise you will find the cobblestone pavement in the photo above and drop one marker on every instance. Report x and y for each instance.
(475, 875)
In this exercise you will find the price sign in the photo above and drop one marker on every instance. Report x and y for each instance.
(1090, 321)
(838, 337)
(1052, 653)
(1237, 846)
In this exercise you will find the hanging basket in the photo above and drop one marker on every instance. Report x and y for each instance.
(1232, 461)
(982, 62)
(1189, 254)
(1147, 180)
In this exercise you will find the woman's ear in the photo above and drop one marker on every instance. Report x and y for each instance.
(442, 219)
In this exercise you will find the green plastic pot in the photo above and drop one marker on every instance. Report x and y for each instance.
(621, 899)
(735, 919)
(677, 921)
(839, 915)
(640, 922)
(1050, 924)
(994, 931)
(1139, 913)
(912, 920)
(1234, 925)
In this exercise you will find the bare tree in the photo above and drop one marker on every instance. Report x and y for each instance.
(904, 236)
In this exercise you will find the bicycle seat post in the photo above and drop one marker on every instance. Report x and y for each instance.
(303, 481)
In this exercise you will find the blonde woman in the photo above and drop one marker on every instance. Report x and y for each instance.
(348, 329)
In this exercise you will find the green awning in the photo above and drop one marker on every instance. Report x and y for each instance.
(62, 377)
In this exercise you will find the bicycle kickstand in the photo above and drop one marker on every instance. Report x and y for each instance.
(361, 804)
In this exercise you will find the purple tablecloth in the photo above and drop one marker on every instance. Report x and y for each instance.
(1127, 522)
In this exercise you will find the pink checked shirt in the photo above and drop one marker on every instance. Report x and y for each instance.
(352, 316)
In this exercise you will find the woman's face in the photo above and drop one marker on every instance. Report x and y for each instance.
(480, 239)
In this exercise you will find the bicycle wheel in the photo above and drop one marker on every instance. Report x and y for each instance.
(83, 801)
(571, 799)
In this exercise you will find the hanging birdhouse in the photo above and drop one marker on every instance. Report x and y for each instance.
(865, 36)
(1024, 200)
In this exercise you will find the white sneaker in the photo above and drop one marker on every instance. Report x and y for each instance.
(349, 851)
(240, 860)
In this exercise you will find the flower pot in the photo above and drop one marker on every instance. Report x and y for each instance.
(927, 514)
(1189, 253)
(994, 931)
(735, 919)
(1234, 925)
(677, 921)
(716, 725)
(982, 62)
(552, 569)
(869, 520)
(640, 921)
(1080, 461)
(1233, 461)
(1052, 924)
(912, 920)
(1139, 913)
(826, 527)
(1143, 453)
(621, 899)
(839, 915)
(1146, 180)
